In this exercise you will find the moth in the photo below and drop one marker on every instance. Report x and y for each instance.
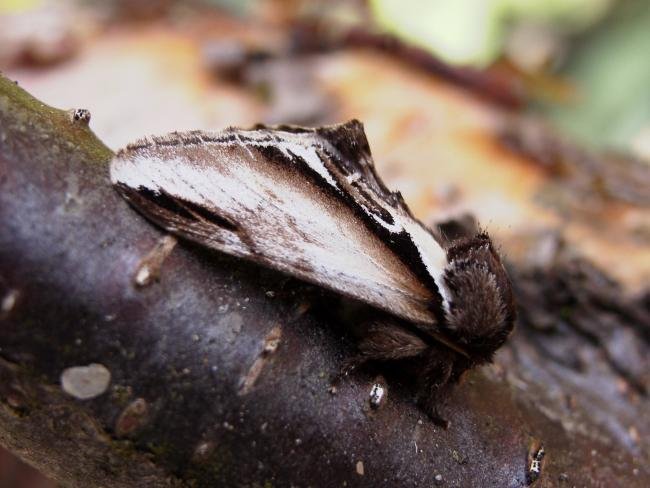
(308, 202)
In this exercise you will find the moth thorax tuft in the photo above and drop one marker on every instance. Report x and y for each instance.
(480, 314)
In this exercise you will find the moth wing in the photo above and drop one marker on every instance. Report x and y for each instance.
(306, 202)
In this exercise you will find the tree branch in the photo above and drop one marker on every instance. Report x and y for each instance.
(128, 359)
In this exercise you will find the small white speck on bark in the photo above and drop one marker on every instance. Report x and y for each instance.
(149, 267)
(9, 301)
(143, 276)
(85, 382)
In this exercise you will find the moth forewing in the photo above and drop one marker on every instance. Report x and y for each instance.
(304, 201)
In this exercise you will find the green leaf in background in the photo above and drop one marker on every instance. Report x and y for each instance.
(238, 7)
(607, 41)
(610, 68)
(568, 15)
(459, 31)
(472, 32)
(14, 6)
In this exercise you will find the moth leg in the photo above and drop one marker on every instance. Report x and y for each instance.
(384, 341)
(435, 384)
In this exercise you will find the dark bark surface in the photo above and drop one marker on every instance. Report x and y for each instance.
(220, 370)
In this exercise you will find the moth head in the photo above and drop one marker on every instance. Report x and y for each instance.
(481, 309)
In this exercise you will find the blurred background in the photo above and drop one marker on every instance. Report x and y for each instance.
(584, 64)
(534, 115)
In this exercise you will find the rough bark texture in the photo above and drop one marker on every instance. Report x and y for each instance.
(220, 370)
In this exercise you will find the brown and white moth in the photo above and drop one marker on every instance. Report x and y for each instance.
(309, 203)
